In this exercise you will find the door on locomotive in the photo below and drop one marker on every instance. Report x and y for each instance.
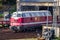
(29, 19)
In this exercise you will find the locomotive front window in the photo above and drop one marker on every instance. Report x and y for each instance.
(26, 14)
(19, 15)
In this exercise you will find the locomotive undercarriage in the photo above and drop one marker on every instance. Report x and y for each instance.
(26, 28)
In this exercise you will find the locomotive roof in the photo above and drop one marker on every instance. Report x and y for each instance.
(31, 11)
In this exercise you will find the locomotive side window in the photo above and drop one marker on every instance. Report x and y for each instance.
(33, 14)
(48, 13)
(45, 13)
(40, 14)
(27, 14)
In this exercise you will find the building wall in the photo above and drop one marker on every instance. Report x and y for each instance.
(36, 4)
(36, 8)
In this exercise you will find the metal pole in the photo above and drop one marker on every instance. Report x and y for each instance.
(47, 19)
(47, 15)
(58, 7)
(55, 13)
(54, 9)
(18, 5)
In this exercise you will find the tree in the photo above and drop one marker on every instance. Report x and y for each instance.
(0, 4)
(9, 2)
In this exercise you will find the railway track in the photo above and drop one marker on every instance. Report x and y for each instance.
(8, 35)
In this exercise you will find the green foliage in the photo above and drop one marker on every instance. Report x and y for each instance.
(13, 9)
(57, 38)
(0, 3)
(9, 2)
(0, 0)
(1, 15)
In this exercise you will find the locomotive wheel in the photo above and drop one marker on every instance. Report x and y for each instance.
(14, 29)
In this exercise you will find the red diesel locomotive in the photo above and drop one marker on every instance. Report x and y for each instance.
(29, 19)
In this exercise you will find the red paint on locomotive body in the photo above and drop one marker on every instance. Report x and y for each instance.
(29, 20)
